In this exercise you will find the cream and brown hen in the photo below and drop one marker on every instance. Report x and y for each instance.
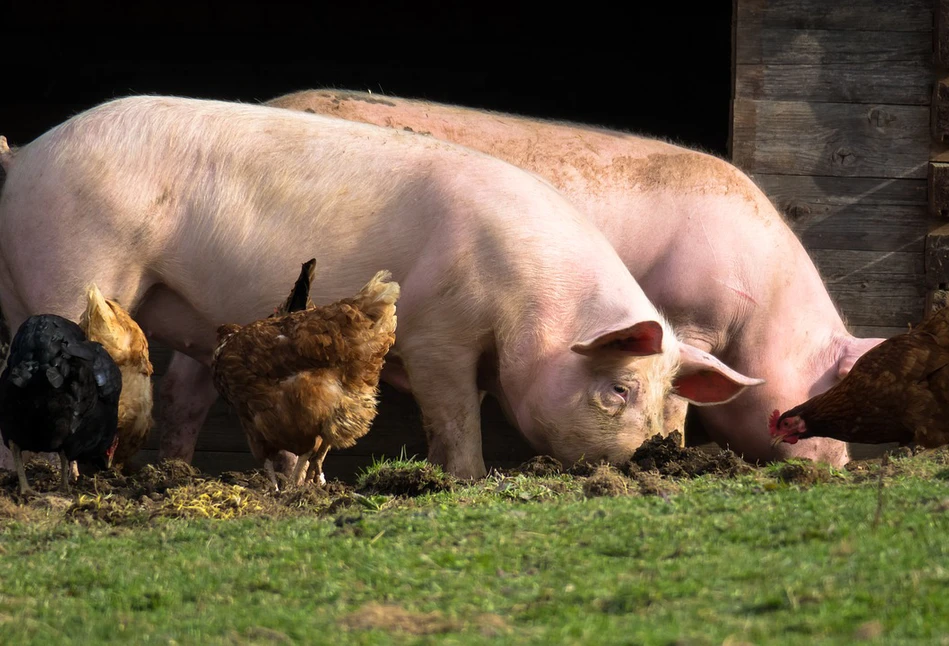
(107, 323)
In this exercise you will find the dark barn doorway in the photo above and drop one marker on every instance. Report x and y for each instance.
(659, 70)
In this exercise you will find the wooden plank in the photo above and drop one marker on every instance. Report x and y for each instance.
(876, 331)
(936, 260)
(733, 64)
(841, 191)
(941, 35)
(938, 185)
(825, 47)
(907, 83)
(879, 304)
(851, 213)
(835, 139)
(862, 227)
(871, 288)
(859, 15)
(842, 266)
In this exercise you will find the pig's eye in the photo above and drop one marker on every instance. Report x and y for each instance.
(621, 390)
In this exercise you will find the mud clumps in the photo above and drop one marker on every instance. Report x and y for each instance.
(541, 466)
(607, 481)
(411, 479)
(167, 474)
(665, 456)
(583, 468)
(803, 473)
(651, 483)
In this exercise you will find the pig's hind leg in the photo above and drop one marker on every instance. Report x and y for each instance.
(444, 383)
(186, 396)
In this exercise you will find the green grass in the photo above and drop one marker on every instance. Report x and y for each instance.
(510, 560)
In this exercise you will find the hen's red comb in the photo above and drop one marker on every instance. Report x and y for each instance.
(773, 422)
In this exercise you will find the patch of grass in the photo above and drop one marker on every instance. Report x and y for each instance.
(512, 558)
(404, 477)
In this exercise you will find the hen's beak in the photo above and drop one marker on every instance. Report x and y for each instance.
(777, 439)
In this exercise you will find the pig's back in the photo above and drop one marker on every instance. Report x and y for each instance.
(176, 182)
(634, 188)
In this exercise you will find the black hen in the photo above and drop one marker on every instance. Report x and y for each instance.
(59, 393)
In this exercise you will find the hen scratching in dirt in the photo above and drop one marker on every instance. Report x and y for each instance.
(308, 381)
(59, 393)
(106, 322)
(896, 392)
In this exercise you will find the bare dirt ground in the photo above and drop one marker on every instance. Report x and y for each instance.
(173, 489)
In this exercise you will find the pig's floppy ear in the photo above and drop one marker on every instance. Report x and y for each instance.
(702, 379)
(639, 340)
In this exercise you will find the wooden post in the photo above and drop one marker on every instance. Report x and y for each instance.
(936, 261)
(937, 268)
(940, 111)
(941, 34)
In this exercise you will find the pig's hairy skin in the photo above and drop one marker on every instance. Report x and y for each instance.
(673, 215)
(137, 196)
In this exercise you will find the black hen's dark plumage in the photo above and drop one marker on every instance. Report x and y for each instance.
(59, 392)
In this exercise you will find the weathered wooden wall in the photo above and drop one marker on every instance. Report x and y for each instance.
(831, 116)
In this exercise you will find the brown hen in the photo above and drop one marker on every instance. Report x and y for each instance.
(308, 381)
(897, 392)
(106, 322)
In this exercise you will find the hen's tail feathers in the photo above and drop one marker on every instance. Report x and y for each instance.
(377, 299)
(107, 323)
(299, 298)
(99, 321)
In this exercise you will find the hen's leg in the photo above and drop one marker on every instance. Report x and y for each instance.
(20, 470)
(296, 478)
(268, 467)
(187, 394)
(315, 471)
(444, 383)
(65, 470)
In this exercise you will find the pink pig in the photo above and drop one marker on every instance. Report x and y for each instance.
(705, 243)
(193, 213)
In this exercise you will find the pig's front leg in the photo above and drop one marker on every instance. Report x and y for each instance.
(187, 394)
(444, 383)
